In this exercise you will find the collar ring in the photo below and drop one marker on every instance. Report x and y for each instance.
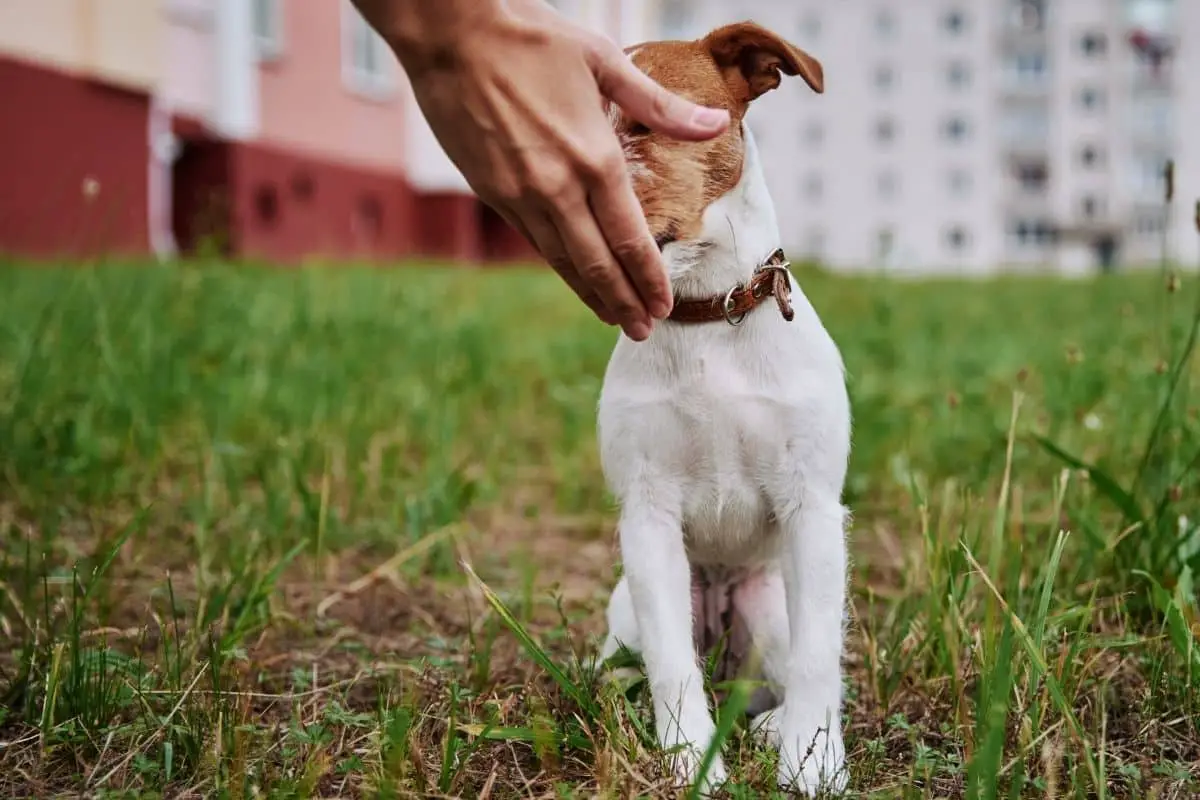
(727, 309)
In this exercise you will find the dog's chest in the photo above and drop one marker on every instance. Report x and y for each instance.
(725, 422)
(730, 439)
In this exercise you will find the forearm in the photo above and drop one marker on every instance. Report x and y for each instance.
(514, 93)
(427, 32)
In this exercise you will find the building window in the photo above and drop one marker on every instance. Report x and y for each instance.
(958, 74)
(1031, 232)
(266, 205)
(960, 182)
(885, 24)
(1026, 124)
(885, 77)
(954, 21)
(1149, 176)
(268, 28)
(810, 27)
(1091, 156)
(885, 130)
(813, 187)
(1091, 98)
(814, 134)
(1029, 15)
(955, 129)
(1033, 176)
(957, 238)
(1093, 44)
(369, 220)
(1029, 68)
(887, 184)
(1153, 114)
(367, 63)
(1091, 207)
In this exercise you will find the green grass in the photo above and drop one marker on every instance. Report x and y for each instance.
(343, 532)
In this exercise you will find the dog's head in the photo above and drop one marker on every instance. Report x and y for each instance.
(674, 180)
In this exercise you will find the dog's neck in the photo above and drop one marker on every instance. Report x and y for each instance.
(738, 233)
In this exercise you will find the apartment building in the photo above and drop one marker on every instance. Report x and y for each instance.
(973, 136)
(279, 129)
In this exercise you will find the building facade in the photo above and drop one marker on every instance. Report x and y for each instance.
(973, 136)
(276, 129)
(964, 136)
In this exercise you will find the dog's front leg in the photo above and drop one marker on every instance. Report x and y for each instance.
(659, 578)
(812, 755)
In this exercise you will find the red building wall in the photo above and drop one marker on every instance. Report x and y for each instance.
(248, 200)
(64, 135)
(60, 133)
(287, 208)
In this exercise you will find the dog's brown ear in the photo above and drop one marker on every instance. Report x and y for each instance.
(751, 58)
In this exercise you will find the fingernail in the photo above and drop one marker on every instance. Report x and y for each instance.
(638, 331)
(710, 118)
(661, 309)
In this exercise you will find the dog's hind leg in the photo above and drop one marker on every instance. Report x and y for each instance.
(760, 605)
(622, 623)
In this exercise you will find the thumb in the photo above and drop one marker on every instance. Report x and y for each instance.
(649, 103)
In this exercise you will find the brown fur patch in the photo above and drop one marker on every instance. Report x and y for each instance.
(674, 180)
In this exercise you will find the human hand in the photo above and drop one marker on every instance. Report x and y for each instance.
(514, 94)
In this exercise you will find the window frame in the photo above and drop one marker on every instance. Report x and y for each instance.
(379, 83)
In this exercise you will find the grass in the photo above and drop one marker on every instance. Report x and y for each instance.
(342, 532)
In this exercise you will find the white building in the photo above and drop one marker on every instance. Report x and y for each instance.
(977, 135)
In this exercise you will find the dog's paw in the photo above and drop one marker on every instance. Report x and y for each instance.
(683, 744)
(764, 728)
(811, 759)
(684, 762)
(623, 677)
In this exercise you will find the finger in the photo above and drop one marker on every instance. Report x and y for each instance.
(648, 102)
(540, 233)
(619, 217)
(593, 261)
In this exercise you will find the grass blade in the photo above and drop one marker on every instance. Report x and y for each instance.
(992, 713)
(577, 693)
(1109, 487)
(1043, 671)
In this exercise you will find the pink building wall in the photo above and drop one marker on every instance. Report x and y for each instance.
(307, 105)
(187, 83)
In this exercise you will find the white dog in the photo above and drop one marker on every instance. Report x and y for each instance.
(725, 436)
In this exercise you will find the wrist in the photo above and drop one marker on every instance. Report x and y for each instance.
(429, 34)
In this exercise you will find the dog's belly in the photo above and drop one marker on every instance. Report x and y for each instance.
(728, 526)
(720, 631)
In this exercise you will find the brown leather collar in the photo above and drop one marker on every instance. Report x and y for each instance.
(770, 279)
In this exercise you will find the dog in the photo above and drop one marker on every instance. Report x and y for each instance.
(725, 436)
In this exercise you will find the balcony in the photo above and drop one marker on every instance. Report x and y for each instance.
(1151, 121)
(1026, 74)
(1024, 21)
(1027, 185)
(1153, 59)
(1029, 238)
(1146, 79)
(1025, 133)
